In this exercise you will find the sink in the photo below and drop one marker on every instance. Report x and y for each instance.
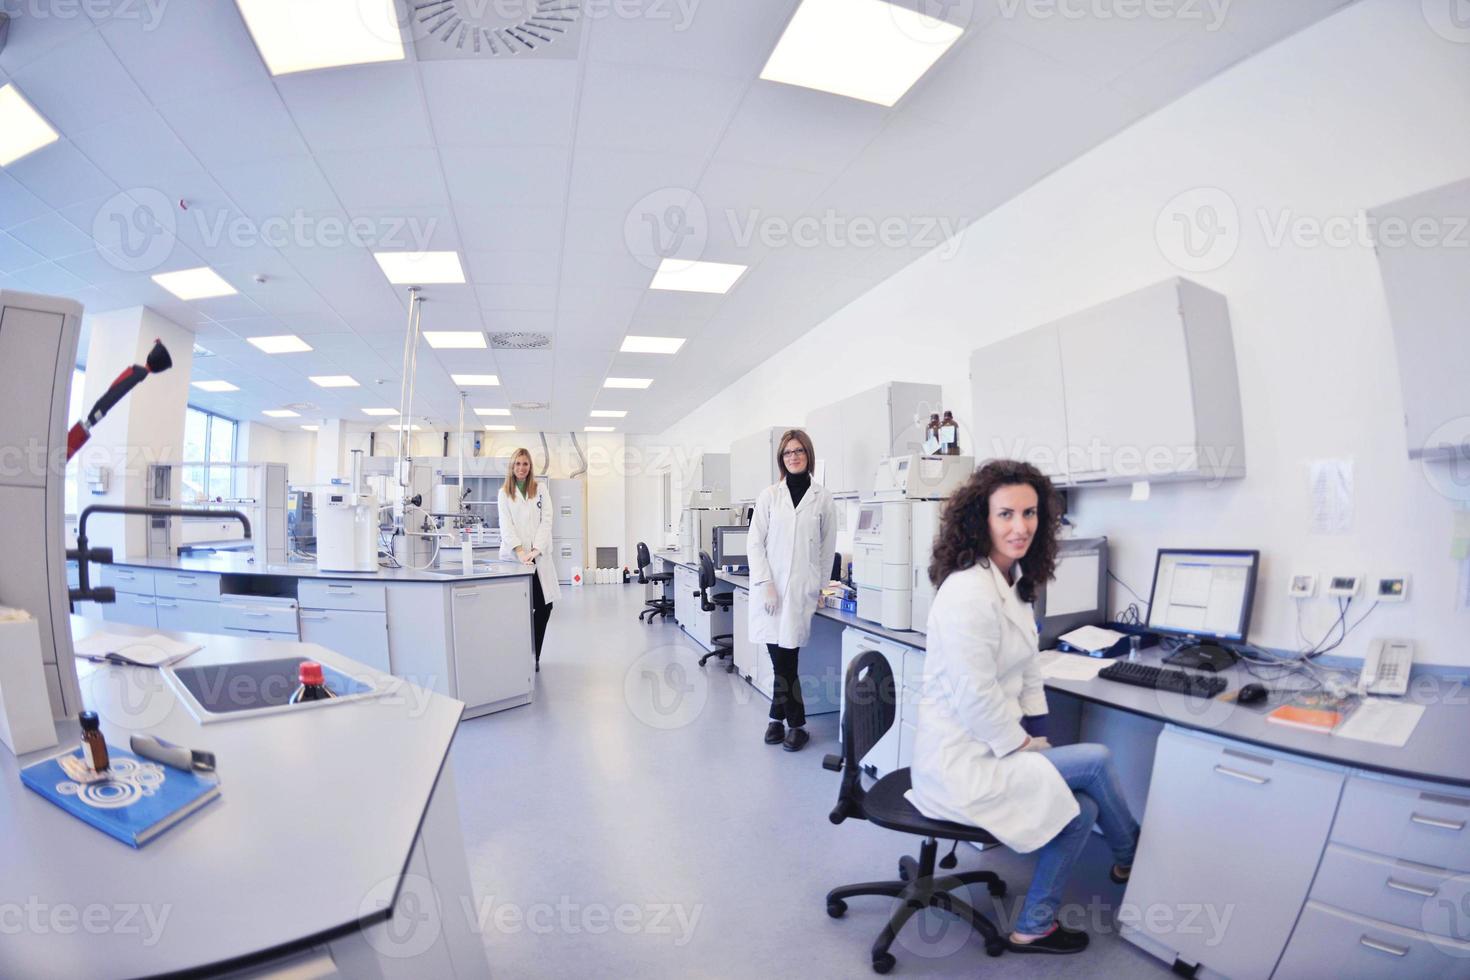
(222, 692)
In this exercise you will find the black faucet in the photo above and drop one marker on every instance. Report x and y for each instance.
(84, 555)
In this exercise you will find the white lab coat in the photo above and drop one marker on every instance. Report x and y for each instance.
(792, 547)
(981, 675)
(526, 523)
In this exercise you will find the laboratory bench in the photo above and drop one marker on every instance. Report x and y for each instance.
(466, 635)
(330, 820)
(1326, 856)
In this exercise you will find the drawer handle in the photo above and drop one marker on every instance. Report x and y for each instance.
(313, 619)
(1435, 822)
(257, 615)
(187, 581)
(1245, 776)
(1382, 947)
(1420, 890)
(466, 595)
(167, 605)
(344, 589)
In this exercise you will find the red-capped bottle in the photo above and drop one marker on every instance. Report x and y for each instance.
(312, 688)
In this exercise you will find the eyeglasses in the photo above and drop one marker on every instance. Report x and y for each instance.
(792, 453)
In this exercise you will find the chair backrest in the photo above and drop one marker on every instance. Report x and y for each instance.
(644, 560)
(706, 581)
(869, 709)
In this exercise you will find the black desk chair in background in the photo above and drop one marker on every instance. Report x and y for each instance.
(662, 606)
(870, 701)
(724, 642)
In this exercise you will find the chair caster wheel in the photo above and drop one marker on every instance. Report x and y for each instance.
(729, 668)
(903, 872)
(998, 889)
(883, 962)
(995, 948)
(837, 908)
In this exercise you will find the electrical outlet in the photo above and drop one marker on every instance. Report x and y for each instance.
(1343, 586)
(1391, 588)
(1303, 586)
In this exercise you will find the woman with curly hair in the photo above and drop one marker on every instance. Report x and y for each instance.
(980, 754)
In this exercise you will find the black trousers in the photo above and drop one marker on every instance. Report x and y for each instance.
(786, 704)
(541, 613)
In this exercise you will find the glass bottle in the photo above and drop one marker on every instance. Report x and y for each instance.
(94, 746)
(312, 688)
(950, 435)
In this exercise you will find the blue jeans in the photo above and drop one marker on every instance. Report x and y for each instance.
(1088, 770)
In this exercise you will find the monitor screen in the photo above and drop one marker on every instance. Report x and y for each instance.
(730, 545)
(1203, 593)
(1074, 589)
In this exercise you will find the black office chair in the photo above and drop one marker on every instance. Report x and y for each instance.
(661, 606)
(724, 642)
(869, 705)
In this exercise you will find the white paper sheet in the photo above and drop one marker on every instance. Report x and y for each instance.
(1332, 496)
(1382, 721)
(1070, 666)
(1140, 490)
(146, 651)
(1091, 638)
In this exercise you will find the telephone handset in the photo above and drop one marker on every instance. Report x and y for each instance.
(1386, 668)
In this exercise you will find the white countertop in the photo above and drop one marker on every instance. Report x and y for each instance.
(242, 564)
(316, 809)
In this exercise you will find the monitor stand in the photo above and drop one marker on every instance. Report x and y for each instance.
(1203, 656)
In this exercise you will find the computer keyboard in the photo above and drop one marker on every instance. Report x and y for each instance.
(1178, 681)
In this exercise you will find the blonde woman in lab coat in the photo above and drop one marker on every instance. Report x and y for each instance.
(793, 536)
(980, 755)
(525, 535)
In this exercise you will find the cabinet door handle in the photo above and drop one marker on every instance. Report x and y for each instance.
(342, 589)
(167, 605)
(257, 615)
(1382, 947)
(1435, 822)
(305, 617)
(190, 583)
(1420, 890)
(466, 595)
(1245, 776)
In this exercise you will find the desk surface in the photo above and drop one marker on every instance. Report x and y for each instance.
(242, 564)
(316, 810)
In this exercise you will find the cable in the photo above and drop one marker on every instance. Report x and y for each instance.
(1349, 629)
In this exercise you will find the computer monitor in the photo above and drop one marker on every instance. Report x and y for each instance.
(1078, 595)
(730, 546)
(1203, 595)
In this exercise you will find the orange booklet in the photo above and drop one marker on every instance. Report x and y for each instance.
(1314, 712)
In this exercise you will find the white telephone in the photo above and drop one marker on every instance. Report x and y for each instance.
(1386, 668)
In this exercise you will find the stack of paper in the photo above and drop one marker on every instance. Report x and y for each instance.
(1070, 667)
(139, 651)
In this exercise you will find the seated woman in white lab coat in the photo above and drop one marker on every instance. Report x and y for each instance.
(980, 755)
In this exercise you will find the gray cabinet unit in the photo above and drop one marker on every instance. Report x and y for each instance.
(1140, 388)
(753, 463)
(188, 615)
(348, 617)
(568, 526)
(851, 436)
(1426, 281)
(138, 610)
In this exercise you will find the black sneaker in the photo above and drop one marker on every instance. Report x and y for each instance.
(775, 732)
(795, 739)
(1057, 942)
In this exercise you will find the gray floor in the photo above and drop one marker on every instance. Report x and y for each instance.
(631, 823)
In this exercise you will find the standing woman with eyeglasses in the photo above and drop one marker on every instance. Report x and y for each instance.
(793, 536)
(525, 535)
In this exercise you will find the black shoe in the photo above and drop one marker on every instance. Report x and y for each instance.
(1120, 879)
(795, 739)
(1057, 942)
(775, 732)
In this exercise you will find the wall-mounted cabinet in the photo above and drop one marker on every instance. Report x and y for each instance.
(1141, 388)
(753, 463)
(852, 435)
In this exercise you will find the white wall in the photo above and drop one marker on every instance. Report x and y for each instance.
(1367, 107)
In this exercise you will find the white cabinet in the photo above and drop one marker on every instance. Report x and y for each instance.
(1197, 846)
(188, 615)
(883, 757)
(746, 655)
(1140, 388)
(824, 425)
(493, 659)
(753, 463)
(355, 634)
(1427, 284)
(862, 429)
(137, 610)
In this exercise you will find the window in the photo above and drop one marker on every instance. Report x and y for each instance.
(74, 412)
(208, 439)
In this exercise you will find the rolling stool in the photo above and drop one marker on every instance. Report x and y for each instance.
(653, 607)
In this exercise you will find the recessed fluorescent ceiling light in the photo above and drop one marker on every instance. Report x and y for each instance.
(200, 283)
(215, 386)
(500, 428)
(421, 268)
(380, 411)
(334, 381)
(604, 413)
(492, 411)
(863, 49)
(687, 276)
(598, 428)
(476, 380)
(455, 339)
(294, 36)
(311, 428)
(286, 344)
(652, 345)
(400, 427)
(22, 130)
(282, 413)
(627, 382)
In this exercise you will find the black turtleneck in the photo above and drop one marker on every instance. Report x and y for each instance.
(798, 483)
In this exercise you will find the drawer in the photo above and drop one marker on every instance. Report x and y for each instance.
(346, 594)
(913, 669)
(186, 585)
(245, 634)
(265, 615)
(138, 581)
(139, 610)
(1406, 894)
(188, 615)
(1400, 819)
(355, 634)
(1329, 942)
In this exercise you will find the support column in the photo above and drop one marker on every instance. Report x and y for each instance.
(331, 451)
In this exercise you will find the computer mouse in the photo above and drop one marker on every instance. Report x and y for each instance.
(1252, 693)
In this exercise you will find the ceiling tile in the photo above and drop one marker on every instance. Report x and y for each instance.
(260, 129)
(191, 49)
(47, 278)
(136, 150)
(655, 110)
(525, 176)
(510, 229)
(501, 103)
(512, 268)
(359, 107)
(60, 175)
(79, 84)
(498, 297)
(18, 204)
(37, 29)
(799, 129)
(732, 39)
(619, 180)
(14, 255)
(51, 236)
(386, 177)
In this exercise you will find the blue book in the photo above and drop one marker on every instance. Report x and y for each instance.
(137, 801)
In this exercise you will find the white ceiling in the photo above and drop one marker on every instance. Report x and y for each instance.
(533, 169)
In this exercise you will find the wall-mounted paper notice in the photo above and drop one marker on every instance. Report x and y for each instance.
(1332, 496)
(1140, 490)
(1460, 536)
